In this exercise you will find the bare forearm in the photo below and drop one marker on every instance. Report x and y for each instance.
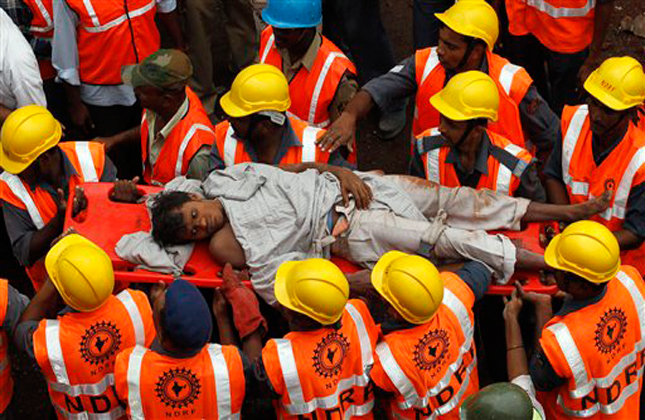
(360, 105)
(601, 23)
(73, 94)
(170, 21)
(41, 240)
(556, 191)
(226, 329)
(44, 305)
(252, 345)
(130, 136)
(516, 362)
(628, 240)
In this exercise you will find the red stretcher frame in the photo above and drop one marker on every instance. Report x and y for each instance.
(105, 221)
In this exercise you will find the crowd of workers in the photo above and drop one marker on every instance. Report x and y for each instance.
(259, 161)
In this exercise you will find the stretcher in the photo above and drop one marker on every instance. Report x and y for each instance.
(105, 221)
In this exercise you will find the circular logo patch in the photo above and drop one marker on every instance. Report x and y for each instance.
(431, 349)
(178, 388)
(100, 342)
(329, 354)
(610, 330)
(610, 184)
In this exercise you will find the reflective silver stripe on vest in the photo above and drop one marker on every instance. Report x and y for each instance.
(88, 171)
(309, 144)
(97, 388)
(431, 63)
(222, 383)
(54, 351)
(135, 316)
(46, 16)
(114, 414)
(507, 75)
(562, 12)
(18, 189)
(397, 376)
(322, 124)
(367, 353)
(319, 84)
(230, 147)
(267, 49)
(624, 187)
(134, 382)
(90, 11)
(290, 372)
(118, 21)
(504, 174)
(583, 385)
(568, 148)
(432, 165)
(184, 144)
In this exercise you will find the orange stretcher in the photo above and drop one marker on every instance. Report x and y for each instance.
(105, 221)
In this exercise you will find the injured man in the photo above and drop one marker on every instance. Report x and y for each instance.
(259, 216)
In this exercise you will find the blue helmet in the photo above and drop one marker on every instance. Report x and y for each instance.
(289, 14)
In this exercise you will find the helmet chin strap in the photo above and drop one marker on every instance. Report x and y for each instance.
(462, 139)
(469, 50)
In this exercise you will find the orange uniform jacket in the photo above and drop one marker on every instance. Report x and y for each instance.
(112, 34)
(600, 351)
(87, 158)
(189, 135)
(6, 383)
(233, 152)
(312, 92)
(506, 163)
(564, 26)
(431, 368)
(325, 373)
(623, 168)
(512, 82)
(77, 351)
(209, 385)
(42, 26)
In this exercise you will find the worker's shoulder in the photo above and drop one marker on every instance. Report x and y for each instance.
(516, 159)
(429, 141)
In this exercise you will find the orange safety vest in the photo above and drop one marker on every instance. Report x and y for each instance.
(6, 383)
(512, 82)
(87, 158)
(189, 135)
(112, 34)
(76, 353)
(501, 178)
(209, 385)
(324, 374)
(600, 351)
(431, 368)
(233, 152)
(42, 26)
(564, 26)
(622, 169)
(311, 92)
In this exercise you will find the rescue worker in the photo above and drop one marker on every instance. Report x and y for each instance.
(76, 348)
(426, 361)
(590, 355)
(601, 148)
(258, 128)
(189, 377)
(12, 304)
(321, 78)
(321, 368)
(499, 401)
(466, 42)
(39, 173)
(176, 135)
(463, 152)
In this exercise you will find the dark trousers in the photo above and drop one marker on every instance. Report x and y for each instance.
(555, 74)
(425, 26)
(355, 26)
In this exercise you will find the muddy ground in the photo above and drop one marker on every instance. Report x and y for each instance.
(31, 402)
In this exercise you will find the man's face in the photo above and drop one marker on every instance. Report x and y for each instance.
(452, 130)
(150, 97)
(286, 39)
(451, 49)
(241, 126)
(602, 118)
(202, 218)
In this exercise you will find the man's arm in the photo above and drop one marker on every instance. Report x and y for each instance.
(416, 164)
(556, 191)
(633, 232)
(477, 276)
(530, 185)
(540, 123)
(125, 137)
(16, 304)
(169, 17)
(347, 89)
(602, 16)
(199, 165)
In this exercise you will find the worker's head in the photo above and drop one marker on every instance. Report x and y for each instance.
(259, 98)
(466, 104)
(182, 317)
(502, 400)
(315, 288)
(410, 284)
(29, 137)
(81, 272)
(160, 80)
(586, 255)
(294, 23)
(179, 217)
(615, 90)
(469, 28)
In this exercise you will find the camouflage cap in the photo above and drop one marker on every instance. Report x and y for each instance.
(164, 69)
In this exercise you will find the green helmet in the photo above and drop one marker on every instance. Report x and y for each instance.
(499, 401)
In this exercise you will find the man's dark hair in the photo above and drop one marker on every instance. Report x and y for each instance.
(167, 221)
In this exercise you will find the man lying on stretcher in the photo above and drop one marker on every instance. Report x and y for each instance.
(260, 216)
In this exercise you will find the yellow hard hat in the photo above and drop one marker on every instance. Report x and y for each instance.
(27, 133)
(259, 87)
(315, 287)
(474, 18)
(81, 271)
(410, 283)
(619, 83)
(586, 249)
(468, 96)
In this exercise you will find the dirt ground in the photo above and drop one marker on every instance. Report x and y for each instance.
(31, 402)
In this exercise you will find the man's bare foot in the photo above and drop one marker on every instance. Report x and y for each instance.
(589, 208)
